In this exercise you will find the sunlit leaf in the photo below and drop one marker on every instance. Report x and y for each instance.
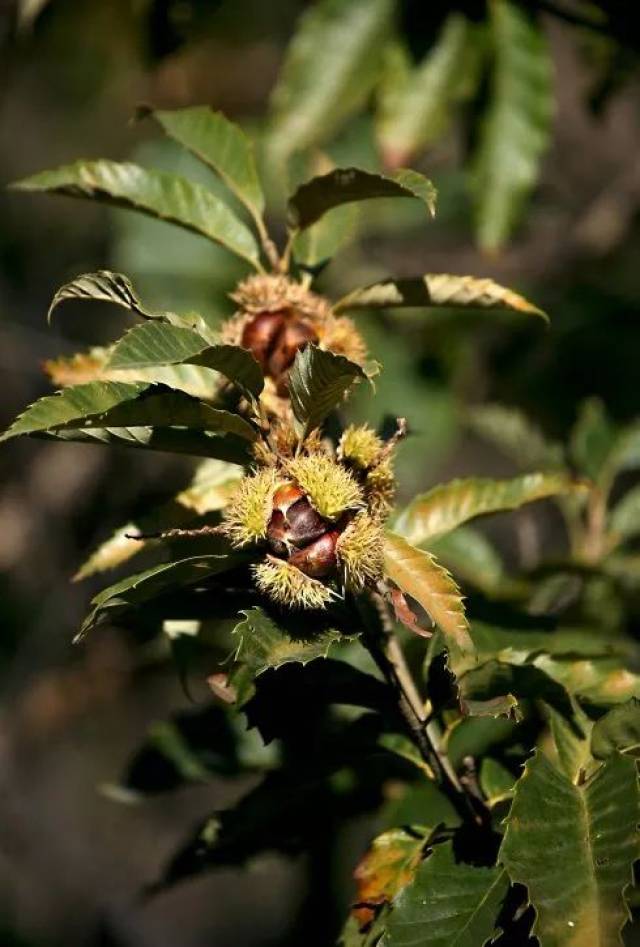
(159, 344)
(103, 286)
(448, 904)
(221, 144)
(156, 193)
(329, 70)
(93, 365)
(617, 731)
(421, 577)
(118, 404)
(346, 185)
(318, 381)
(416, 104)
(439, 290)
(448, 506)
(573, 847)
(516, 126)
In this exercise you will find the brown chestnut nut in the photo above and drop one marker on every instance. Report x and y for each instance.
(294, 335)
(261, 334)
(305, 524)
(277, 534)
(318, 560)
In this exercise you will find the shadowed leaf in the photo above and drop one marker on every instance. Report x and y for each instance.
(318, 381)
(144, 586)
(346, 185)
(172, 440)
(262, 645)
(448, 904)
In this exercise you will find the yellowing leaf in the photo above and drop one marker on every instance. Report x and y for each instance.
(438, 290)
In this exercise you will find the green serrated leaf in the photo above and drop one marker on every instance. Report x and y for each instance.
(346, 185)
(617, 731)
(516, 128)
(262, 644)
(104, 286)
(448, 904)
(318, 381)
(573, 847)
(93, 365)
(104, 405)
(221, 144)
(419, 575)
(438, 290)
(515, 435)
(330, 68)
(448, 506)
(158, 344)
(144, 586)
(416, 104)
(156, 193)
(171, 440)
(571, 738)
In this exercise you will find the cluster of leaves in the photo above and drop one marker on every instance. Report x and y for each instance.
(432, 737)
(345, 53)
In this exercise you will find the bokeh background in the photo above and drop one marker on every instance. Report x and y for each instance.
(73, 860)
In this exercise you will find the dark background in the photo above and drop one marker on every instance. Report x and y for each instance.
(72, 860)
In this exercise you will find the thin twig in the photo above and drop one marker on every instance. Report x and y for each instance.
(178, 533)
